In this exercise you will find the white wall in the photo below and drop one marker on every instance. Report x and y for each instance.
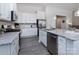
(29, 7)
(51, 12)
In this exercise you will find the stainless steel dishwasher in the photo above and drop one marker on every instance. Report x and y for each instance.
(52, 43)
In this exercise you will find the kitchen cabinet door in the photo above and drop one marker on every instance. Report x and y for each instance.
(61, 46)
(2, 10)
(15, 46)
(5, 49)
(28, 32)
(43, 37)
(5, 10)
(76, 47)
(8, 8)
(40, 35)
(69, 47)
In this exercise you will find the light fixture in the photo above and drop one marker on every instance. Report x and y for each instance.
(77, 13)
(69, 22)
(55, 17)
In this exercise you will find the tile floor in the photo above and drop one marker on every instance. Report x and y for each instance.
(31, 46)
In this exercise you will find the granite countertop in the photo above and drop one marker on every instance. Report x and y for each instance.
(63, 33)
(7, 38)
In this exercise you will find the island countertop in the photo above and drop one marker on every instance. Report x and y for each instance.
(7, 38)
(63, 33)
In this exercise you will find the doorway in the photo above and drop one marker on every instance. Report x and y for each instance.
(60, 22)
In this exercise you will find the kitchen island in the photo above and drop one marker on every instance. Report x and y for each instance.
(9, 43)
(60, 42)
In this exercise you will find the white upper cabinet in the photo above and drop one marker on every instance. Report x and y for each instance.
(40, 15)
(26, 17)
(30, 17)
(5, 10)
(2, 10)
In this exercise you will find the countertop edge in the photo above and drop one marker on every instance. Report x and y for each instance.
(11, 40)
(61, 35)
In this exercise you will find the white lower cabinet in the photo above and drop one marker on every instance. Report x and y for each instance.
(65, 46)
(76, 47)
(69, 47)
(10, 49)
(43, 37)
(5, 49)
(61, 46)
(15, 46)
(27, 32)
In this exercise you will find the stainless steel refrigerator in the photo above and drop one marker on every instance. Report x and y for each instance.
(41, 23)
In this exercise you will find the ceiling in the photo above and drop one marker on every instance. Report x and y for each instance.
(68, 6)
(34, 7)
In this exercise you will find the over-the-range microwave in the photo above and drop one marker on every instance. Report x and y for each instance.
(13, 16)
